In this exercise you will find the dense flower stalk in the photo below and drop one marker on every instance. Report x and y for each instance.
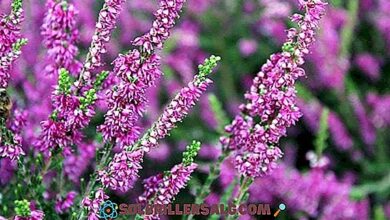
(180, 106)
(60, 37)
(7, 60)
(71, 114)
(10, 27)
(165, 20)
(9, 37)
(162, 188)
(127, 100)
(272, 98)
(93, 204)
(122, 171)
(104, 27)
(137, 72)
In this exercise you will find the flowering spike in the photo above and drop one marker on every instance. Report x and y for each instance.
(179, 107)
(272, 98)
(60, 36)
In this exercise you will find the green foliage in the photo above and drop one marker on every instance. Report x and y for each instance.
(191, 152)
(219, 113)
(322, 134)
(17, 5)
(64, 82)
(18, 44)
(22, 208)
(207, 67)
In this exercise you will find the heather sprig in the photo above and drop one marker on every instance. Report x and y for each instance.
(60, 37)
(104, 27)
(122, 171)
(7, 60)
(162, 188)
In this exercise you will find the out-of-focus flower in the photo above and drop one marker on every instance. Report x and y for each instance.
(380, 107)
(330, 67)
(369, 64)
(317, 193)
(367, 129)
(247, 47)
(62, 205)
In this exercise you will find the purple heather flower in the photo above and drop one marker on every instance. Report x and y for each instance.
(35, 215)
(172, 183)
(272, 98)
(318, 194)
(381, 18)
(369, 65)
(175, 111)
(7, 60)
(122, 171)
(151, 186)
(247, 47)
(7, 168)
(380, 106)
(11, 150)
(10, 30)
(162, 190)
(127, 100)
(330, 67)
(75, 164)
(165, 20)
(60, 36)
(367, 129)
(105, 25)
(19, 121)
(62, 205)
(93, 204)
(338, 132)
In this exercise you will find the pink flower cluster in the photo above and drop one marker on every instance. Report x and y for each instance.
(93, 204)
(9, 35)
(161, 190)
(105, 25)
(165, 20)
(127, 100)
(272, 98)
(60, 36)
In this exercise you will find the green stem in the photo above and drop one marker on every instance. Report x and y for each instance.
(92, 183)
(242, 196)
(215, 171)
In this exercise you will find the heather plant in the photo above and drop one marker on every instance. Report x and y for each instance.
(105, 102)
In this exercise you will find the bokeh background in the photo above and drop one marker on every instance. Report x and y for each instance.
(348, 73)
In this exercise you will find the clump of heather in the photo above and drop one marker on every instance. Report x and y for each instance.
(271, 102)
